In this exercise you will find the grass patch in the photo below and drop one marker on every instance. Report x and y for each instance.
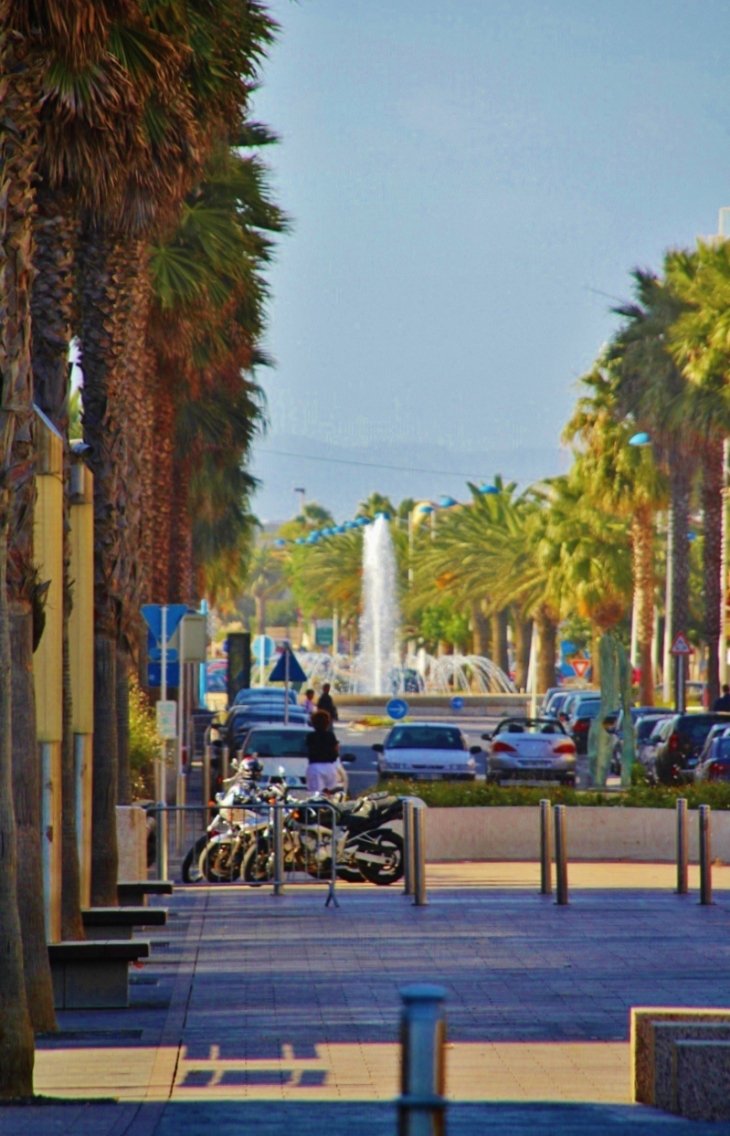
(456, 794)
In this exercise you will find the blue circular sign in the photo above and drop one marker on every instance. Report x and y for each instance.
(457, 702)
(396, 709)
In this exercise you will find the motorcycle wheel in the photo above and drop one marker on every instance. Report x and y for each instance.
(215, 863)
(350, 875)
(391, 845)
(190, 871)
(257, 865)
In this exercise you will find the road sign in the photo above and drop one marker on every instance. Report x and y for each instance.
(457, 702)
(154, 675)
(580, 666)
(152, 614)
(396, 709)
(155, 654)
(166, 719)
(292, 673)
(263, 645)
(681, 645)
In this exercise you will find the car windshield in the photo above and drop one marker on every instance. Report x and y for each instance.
(278, 743)
(645, 728)
(529, 726)
(425, 737)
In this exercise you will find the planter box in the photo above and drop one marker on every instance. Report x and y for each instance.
(611, 833)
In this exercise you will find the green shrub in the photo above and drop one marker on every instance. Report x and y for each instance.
(144, 742)
(461, 794)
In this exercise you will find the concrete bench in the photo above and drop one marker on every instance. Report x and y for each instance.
(702, 1079)
(93, 975)
(133, 893)
(119, 922)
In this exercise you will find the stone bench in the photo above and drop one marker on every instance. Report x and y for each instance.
(133, 893)
(657, 1033)
(702, 1079)
(119, 922)
(93, 975)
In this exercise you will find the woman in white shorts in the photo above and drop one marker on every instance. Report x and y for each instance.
(324, 752)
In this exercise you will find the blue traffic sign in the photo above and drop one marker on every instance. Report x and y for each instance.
(457, 702)
(154, 674)
(294, 669)
(263, 645)
(396, 709)
(152, 614)
(155, 654)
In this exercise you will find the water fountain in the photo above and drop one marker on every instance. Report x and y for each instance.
(379, 623)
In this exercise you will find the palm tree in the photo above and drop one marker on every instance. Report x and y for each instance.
(265, 580)
(328, 575)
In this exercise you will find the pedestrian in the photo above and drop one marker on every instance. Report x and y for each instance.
(323, 750)
(309, 704)
(723, 702)
(326, 702)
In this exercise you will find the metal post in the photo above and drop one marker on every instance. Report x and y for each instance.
(160, 786)
(422, 1103)
(680, 664)
(225, 760)
(668, 612)
(546, 883)
(331, 895)
(180, 814)
(278, 850)
(161, 841)
(561, 856)
(286, 685)
(705, 856)
(419, 856)
(724, 562)
(206, 782)
(407, 847)
(682, 846)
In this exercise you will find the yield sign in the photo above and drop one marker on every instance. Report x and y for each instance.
(153, 618)
(580, 666)
(681, 645)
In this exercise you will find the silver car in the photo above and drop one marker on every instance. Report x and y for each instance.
(426, 751)
(535, 749)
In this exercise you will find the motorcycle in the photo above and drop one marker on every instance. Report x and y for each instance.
(365, 848)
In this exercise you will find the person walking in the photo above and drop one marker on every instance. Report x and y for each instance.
(723, 702)
(309, 705)
(326, 702)
(323, 750)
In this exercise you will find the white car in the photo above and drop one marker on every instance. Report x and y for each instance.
(534, 749)
(426, 751)
(282, 750)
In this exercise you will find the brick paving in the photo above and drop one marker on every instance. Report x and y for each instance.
(264, 1012)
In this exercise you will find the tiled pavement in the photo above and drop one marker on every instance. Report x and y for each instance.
(276, 1013)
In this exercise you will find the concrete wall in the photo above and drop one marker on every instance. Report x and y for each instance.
(513, 833)
(132, 842)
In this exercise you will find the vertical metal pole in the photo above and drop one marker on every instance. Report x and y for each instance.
(331, 896)
(705, 856)
(407, 847)
(160, 786)
(561, 856)
(225, 761)
(682, 846)
(286, 685)
(546, 884)
(161, 841)
(680, 664)
(724, 562)
(419, 857)
(422, 1103)
(668, 612)
(533, 670)
(278, 850)
(206, 782)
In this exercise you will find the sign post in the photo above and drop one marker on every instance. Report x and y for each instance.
(681, 650)
(160, 779)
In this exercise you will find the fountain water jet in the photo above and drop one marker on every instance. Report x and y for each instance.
(380, 620)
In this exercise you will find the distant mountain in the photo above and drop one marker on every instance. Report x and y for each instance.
(341, 476)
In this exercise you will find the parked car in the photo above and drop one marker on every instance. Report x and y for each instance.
(426, 751)
(716, 731)
(555, 704)
(535, 749)
(716, 765)
(583, 709)
(644, 719)
(282, 750)
(680, 745)
(548, 696)
(254, 694)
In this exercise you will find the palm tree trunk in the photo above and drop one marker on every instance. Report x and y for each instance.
(480, 630)
(16, 1031)
(642, 536)
(181, 574)
(51, 305)
(260, 614)
(595, 654)
(523, 641)
(500, 655)
(712, 503)
(161, 513)
(680, 485)
(547, 630)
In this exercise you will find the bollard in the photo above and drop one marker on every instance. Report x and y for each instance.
(180, 795)
(161, 835)
(422, 1104)
(419, 856)
(561, 856)
(407, 847)
(225, 760)
(682, 846)
(705, 856)
(546, 883)
(278, 850)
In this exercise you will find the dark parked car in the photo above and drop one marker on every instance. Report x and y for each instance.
(678, 751)
(716, 766)
(582, 711)
(645, 719)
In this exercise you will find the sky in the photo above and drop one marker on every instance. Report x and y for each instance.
(470, 183)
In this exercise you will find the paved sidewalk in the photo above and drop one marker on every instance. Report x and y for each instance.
(276, 1012)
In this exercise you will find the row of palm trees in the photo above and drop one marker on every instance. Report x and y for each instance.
(587, 544)
(135, 217)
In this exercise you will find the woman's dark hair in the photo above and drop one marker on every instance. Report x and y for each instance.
(321, 720)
